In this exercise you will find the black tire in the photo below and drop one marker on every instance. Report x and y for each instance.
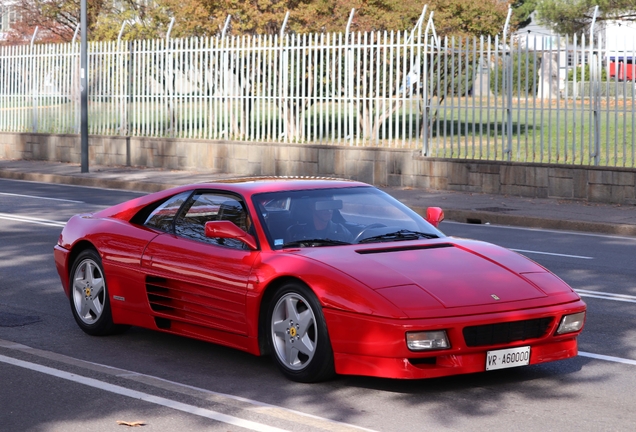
(299, 341)
(89, 298)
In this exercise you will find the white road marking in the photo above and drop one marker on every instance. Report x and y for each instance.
(607, 296)
(28, 219)
(262, 406)
(543, 230)
(190, 409)
(550, 253)
(297, 417)
(39, 197)
(608, 358)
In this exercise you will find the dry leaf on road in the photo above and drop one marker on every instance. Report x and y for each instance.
(131, 424)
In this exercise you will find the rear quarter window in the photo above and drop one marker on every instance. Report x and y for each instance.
(162, 217)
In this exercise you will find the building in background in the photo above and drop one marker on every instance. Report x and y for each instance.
(620, 39)
(8, 17)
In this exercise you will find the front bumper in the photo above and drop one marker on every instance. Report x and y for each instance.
(61, 256)
(371, 346)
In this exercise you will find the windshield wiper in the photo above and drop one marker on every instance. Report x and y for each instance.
(402, 234)
(314, 243)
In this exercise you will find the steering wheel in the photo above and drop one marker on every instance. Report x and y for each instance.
(365, 229)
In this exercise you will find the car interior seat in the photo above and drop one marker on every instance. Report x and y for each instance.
(233, 211)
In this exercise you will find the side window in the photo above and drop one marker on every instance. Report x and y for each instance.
(206, 207)
(163, 216)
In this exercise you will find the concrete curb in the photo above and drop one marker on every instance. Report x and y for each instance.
(138, 186)
(457, 215)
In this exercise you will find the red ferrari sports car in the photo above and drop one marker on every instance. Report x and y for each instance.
(327, 276)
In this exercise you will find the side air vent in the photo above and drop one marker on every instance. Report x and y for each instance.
(159, 295)
(163, 323)
(403, 248)
(175, 302)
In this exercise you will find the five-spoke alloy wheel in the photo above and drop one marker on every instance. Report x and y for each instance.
(298, 334)
(89, 295)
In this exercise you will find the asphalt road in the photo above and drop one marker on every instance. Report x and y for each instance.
(54, 377)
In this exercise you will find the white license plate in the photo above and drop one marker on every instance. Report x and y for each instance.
(507, 358)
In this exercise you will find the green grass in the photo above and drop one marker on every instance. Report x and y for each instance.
(467, 128)
(538, 133)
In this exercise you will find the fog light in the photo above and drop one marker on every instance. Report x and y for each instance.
(427, 340)
(571, 323)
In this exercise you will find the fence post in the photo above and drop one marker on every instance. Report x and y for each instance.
(595, 89)
(75, 83)
(226, 118)
(421, 73)
(170, 81)
(129, 98)
(34, 118)
(425, 96)
(418, 28)
(77, 27)
(123, 109)
(84, 64)
(509, 75)
(507, 84)
(349, 78)
(284, 83)
(596, 84)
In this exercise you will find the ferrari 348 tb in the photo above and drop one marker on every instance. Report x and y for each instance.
(326, 276)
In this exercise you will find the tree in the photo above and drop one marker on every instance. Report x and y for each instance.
(525, 75)
(249, 17)
(469, 18)
(56, 19)
(458, 17)
(150, 20)
(332, 15)
(574, 16)
(521, 11)
(145, 20)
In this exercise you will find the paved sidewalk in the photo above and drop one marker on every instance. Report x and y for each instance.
(458, 206)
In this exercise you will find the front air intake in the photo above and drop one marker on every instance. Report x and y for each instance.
(504, 333)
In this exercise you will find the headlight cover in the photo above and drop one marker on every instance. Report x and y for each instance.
(571, 323)
(427, 340)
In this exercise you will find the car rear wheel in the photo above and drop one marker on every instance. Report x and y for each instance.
(298, 335)
(89, 296)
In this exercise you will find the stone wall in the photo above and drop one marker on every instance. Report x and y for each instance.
(379, 166)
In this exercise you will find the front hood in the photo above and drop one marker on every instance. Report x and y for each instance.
(449, 273)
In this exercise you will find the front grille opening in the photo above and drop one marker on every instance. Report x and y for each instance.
(503, 333)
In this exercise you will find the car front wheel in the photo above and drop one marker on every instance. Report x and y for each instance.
(298, 335)
(89, 296)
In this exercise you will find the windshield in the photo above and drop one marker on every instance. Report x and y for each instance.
(334, 217)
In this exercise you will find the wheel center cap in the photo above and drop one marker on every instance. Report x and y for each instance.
(87, 291)
(292, 331)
